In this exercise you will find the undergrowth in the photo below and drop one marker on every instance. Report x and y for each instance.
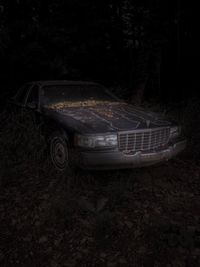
(23, 147)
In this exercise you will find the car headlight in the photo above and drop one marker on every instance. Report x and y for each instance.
(96, 141)
(175, 131)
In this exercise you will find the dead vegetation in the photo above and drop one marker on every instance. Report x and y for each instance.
(141, 217)
(78, 104)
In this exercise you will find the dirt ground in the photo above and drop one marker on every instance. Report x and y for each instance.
(140, 217)
(143, 217)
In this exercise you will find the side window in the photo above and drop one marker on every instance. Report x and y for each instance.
(21, 95)
(32, 100)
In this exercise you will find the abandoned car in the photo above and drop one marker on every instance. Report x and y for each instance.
(91, 128)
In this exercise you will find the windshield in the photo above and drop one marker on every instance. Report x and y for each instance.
(59, 96)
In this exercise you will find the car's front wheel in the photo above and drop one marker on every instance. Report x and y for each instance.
(59, 151)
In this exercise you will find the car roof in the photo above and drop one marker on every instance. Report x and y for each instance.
(62, 82)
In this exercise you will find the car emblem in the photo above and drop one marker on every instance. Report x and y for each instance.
(148, 122)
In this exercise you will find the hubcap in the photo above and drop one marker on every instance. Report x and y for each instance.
(59, 153)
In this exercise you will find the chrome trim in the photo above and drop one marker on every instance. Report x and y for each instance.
(143, 139)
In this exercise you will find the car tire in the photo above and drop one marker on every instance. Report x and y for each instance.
(59, 151)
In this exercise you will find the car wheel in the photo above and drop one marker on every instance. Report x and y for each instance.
(59, 151)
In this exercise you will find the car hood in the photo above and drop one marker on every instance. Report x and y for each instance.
(107, 118)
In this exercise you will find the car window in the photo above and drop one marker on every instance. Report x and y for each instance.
(32, 100)
(21, 95)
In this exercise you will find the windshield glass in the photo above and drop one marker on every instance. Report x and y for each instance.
(60, 96)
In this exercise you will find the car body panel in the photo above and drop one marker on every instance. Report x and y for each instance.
(116, 117)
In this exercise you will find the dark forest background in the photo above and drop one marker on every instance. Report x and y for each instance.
(134, 44)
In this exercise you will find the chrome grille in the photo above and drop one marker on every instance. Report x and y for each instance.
(147, 139)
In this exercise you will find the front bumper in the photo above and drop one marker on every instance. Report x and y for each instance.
(119, 160)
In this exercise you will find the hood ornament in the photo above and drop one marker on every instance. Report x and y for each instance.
(148, 123)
